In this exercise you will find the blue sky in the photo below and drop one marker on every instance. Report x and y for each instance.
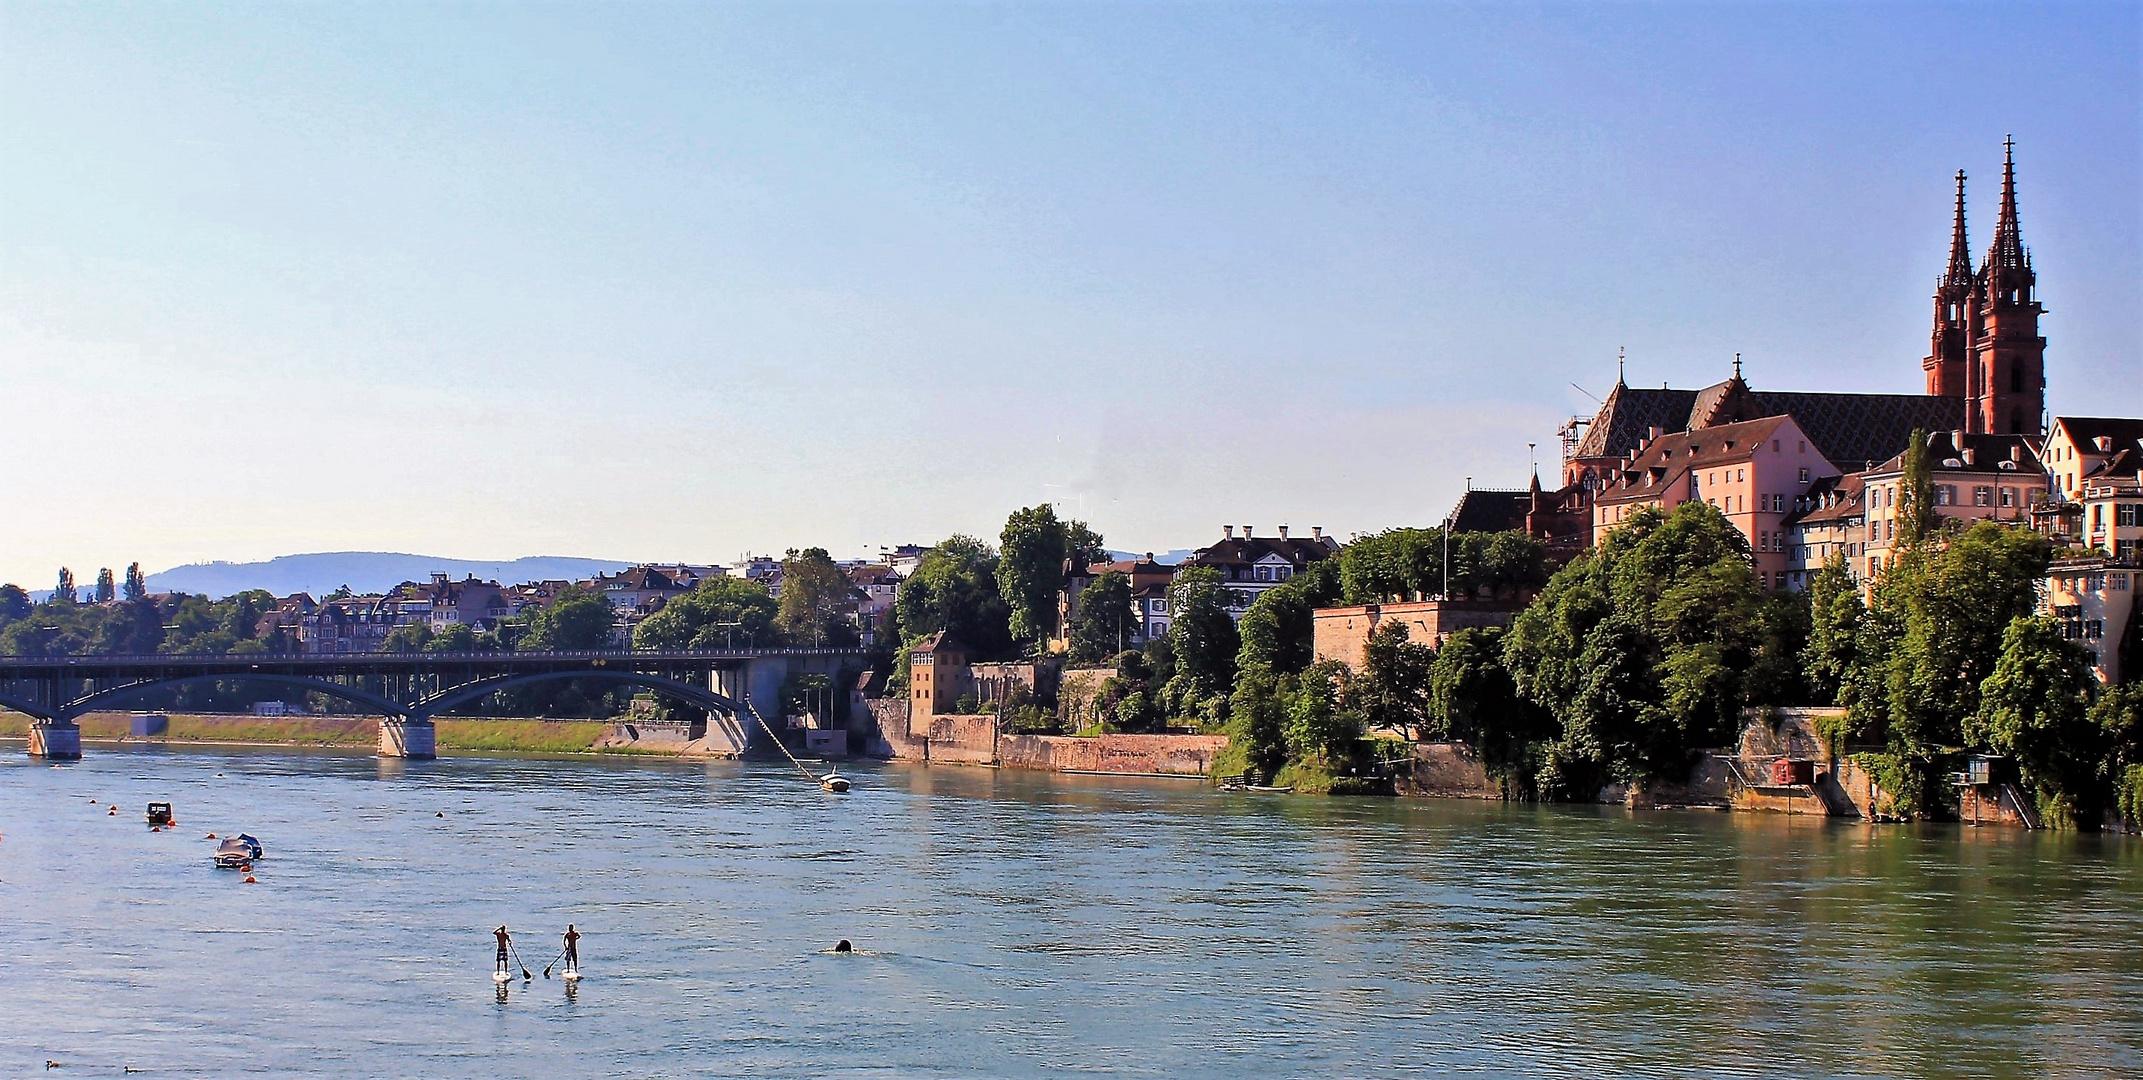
(677, 281)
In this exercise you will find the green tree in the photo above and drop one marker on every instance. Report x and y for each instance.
(1931, 637)
(1321, 728)
(1473, 700)
(1106, 622)
(721, 613)
(954, 589)
(407, 638)
(15, 604)
(2118, 713)
(1258, 722)
(137, 586)
(576, 618)
(1202, 636)
(818, 601)
(457, 637)
(2036, 709)
(1277, 628)
(1392, 566)
(131, 628)
(64, 592)
(1392, 691)
(1917, 517)
(1777, 673)
(1835, 615)
(1030, 572)
(107, 588)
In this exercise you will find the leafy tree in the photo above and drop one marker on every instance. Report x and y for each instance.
(131, 628)
(1277, 629)
(1835, 614)
(14, 604)
(1917, 517)
(1473, 700)
(954, 589)
(137, 586)
(721, 613)
(1392, 691)
(1930, 639)
(107, 588)
(2036, 709)
(1106, 622)
(1202, 637)
(1030, 574)
(64, 592)
(576, 618)
(1258, 721)
(1392, 566)
(407, 638)
(457, 637)
(1777, 673)
(818, 601)
(2118, 713)
(1320, 725)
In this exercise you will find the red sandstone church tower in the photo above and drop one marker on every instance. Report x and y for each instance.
(1986, 346)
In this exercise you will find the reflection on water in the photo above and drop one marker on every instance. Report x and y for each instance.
(1013, 924)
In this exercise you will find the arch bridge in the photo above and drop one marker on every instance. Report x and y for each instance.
(407, 690)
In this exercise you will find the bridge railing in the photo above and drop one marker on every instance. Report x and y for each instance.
(470, 656)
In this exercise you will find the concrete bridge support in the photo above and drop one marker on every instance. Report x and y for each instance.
(58, 740)
(403, 738)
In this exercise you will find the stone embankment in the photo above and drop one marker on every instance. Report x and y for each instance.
(975, 740)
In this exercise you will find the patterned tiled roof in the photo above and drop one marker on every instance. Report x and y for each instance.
(1483, 510)
(1851, 430)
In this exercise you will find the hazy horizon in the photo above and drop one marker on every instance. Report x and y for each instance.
(679, 283)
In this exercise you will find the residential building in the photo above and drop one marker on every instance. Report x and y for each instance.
(1754, 471)
(2093, 597)
(1975, 478)
(638, 590)
(1829, 520)
(1251, 564)
(479, 605)
(878, 588)
(2081, 448)
(939, 675)
(1149, 597)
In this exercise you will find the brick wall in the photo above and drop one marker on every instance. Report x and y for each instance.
(1343, 633)
(1139, 755)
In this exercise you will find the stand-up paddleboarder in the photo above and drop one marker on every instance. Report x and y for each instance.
(572, 942)
(504, 972)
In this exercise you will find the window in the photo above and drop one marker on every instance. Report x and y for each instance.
(1280, 573)
(2094, 629)
(1774, 446)
(1945, 495)
(2128, 514)
(1982, 496)
(2126, 551)
(1804, 449)
(1804, 472)
(1264, 573)
(2009, 496)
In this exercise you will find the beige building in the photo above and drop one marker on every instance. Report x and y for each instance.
(1975, 477)
(1342, 633)
(2094, 599)
(938, 677)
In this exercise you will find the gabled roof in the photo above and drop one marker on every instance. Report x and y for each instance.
(1842, 493)
(1667, 459)
(1946, 452)
(1486, 510)
(2085, 431)
(940, 642)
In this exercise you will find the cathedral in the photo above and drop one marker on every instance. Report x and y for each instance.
(1985, 375)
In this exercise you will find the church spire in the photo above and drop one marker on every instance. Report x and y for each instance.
(1960, 270)
(2008, 250)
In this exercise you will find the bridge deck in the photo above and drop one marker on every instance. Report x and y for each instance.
(163, 665)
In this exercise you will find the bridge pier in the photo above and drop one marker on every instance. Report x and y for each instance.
(399, 738)
(57, 740)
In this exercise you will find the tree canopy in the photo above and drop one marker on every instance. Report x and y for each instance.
(721, 613)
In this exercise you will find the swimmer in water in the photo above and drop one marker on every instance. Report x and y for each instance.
(842, 946)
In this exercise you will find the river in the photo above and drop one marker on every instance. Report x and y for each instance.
(1018, 924)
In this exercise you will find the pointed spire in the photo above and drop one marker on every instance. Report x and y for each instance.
(1960, 271)
(1737, 367)
(2008, 250)
(1621, 365)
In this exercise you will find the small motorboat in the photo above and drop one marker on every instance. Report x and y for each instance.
(237, 851)
(160, 814)
(835, 783)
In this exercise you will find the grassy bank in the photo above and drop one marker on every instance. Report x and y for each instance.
(501, 736)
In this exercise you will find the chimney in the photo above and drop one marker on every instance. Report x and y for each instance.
(1316, 532)
(438, 577)
(1246, 532)
(1967, 455)
(2104, 444)
(1651, 433)
(1956, 441)
(1228, 531)
(1283, 532)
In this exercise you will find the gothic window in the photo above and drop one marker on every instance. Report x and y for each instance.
(2016, 379)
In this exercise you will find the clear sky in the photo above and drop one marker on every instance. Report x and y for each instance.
(681, 281)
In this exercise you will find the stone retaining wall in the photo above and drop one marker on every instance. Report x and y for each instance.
(1137, 755)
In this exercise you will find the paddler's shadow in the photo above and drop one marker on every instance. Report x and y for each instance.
(572, 991)
(501, 991)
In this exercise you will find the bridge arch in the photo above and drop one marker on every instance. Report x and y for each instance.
(721, 705)
(33, 711)
(383, 706)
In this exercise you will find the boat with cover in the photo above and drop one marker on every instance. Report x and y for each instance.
(237, 851)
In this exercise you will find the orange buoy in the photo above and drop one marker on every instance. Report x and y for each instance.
(113, 812)
(156, 828)
(250, 881)
(210, 836)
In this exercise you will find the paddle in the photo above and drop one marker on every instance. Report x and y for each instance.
(547, 967)
(526, 975)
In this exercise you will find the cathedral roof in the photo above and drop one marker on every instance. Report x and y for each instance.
(1850, 430)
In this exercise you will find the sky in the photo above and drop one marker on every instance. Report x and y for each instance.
(678, 282)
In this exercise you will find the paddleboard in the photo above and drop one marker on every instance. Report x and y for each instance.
(570, 974)
(500, 976)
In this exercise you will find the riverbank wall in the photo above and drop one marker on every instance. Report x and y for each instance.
(975, 740)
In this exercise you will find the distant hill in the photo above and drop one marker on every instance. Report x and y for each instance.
(364, 571)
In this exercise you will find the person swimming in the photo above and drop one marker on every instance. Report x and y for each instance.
(843, 946)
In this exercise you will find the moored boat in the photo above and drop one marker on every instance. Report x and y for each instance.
(237, 851)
